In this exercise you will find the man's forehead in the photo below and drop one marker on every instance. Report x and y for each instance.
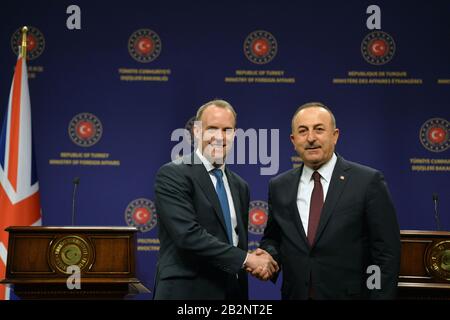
(215, 111)
(313, 115)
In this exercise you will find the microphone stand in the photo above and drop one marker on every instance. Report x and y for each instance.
(76, 181)
(436, 213)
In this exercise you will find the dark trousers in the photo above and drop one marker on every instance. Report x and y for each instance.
(233, 289)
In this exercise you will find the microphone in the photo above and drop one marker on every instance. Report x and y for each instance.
(75, 181)
(436, 213)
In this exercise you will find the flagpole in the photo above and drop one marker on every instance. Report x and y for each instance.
(17, 180)
(24, 41)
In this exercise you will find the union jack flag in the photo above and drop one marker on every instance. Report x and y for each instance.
(19, 188)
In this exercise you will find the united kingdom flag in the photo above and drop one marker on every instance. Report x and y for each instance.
(19, 188)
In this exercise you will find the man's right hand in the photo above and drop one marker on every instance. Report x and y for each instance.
(261, 265)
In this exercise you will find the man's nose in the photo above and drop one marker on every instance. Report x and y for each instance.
(311, 137)
(219, 136)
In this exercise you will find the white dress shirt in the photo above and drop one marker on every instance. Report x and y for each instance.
(306, 186)
(209, 167)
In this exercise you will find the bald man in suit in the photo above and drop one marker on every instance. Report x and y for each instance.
(202, 211)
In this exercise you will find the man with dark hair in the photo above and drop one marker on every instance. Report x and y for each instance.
(330, 219)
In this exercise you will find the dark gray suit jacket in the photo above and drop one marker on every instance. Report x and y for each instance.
(358, 227)
(196, 260)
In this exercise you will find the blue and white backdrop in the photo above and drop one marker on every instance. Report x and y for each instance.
(110, 81)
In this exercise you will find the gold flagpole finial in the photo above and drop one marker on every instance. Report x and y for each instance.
(24, 41)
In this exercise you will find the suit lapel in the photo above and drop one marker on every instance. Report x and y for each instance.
(234, 187)
(203, 179)
(292, 190)
(338, 181)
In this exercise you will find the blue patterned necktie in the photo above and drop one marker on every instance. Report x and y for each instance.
(222, 194)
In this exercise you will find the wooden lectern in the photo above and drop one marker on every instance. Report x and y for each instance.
(425, 265)
(43, 261)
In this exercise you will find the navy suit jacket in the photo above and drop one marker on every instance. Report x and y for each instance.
(358, 227)
(196, 260)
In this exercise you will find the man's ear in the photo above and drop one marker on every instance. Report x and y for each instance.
(336, 135)
(292, 139)
(232, 131)
(197, 130)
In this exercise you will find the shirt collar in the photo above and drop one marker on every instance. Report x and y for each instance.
(208, 166)
(326, 170)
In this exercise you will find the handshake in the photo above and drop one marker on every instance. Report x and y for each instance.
(261, 265)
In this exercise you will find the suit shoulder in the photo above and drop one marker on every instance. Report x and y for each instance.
(361, 167)
(174, 167)
(363, 170)
(238, 178)
(286, 176)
